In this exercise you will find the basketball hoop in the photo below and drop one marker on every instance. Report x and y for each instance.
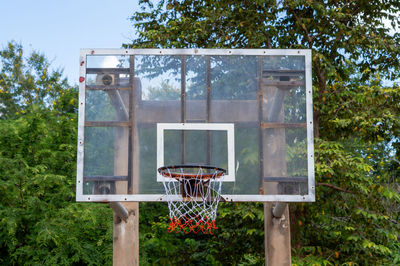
(193, 193)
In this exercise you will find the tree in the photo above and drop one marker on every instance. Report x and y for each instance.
(356, 117)
(337, 31)
(29, 81)
(40, 221)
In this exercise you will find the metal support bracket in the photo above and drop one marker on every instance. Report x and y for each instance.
(279, 209)
(120, 210)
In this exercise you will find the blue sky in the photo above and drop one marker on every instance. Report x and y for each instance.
(59, 29)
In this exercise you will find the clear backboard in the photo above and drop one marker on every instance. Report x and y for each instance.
(248, 111)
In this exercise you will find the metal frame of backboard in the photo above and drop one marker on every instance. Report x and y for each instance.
(159, 197)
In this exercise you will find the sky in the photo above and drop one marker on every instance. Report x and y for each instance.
(59, 29)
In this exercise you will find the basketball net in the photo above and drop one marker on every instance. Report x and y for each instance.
(193, 194)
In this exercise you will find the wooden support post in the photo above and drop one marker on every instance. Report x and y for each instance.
(126, 152)
(126, 237)
(126, 233)
(277, 237)
(277, 230)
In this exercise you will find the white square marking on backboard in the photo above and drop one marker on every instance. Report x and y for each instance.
(228, 127)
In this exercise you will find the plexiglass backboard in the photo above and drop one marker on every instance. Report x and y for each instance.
(248, 111)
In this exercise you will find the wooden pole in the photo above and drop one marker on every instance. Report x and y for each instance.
(277, 230)
(126, 152)
(277, 237)
(125, 233)
(126, 237)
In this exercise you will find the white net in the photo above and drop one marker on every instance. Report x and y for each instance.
(193, 194)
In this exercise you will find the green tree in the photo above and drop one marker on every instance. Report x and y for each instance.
(29, 81)
(40, 222)
(356, 117)
(337, 31)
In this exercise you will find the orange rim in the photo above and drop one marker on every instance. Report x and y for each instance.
(168, 171)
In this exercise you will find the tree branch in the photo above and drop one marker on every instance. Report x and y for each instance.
(335, 187)
(269, 45)
(307, 34)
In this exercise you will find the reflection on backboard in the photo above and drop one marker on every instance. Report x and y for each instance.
(247, 111)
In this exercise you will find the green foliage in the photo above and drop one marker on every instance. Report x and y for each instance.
(335, 30)
(40, 223)
(29, 81)
(352, 220)
(355, 219)
(356, 118)
(237, 241)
